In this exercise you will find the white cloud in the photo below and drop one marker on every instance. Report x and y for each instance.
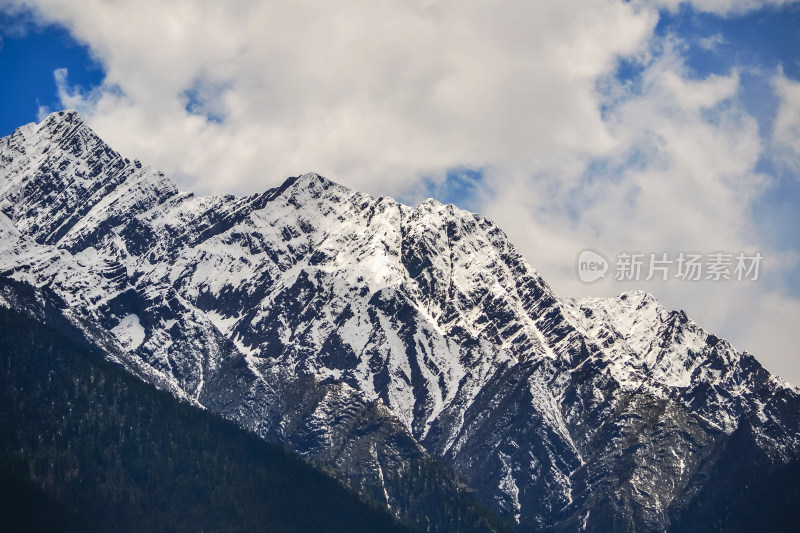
(381, 95)
(42, 111)
(681, 178)
(722, 7)
(712, 42)
(786, 129)
(354, 90)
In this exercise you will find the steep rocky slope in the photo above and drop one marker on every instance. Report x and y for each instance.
(380, 338)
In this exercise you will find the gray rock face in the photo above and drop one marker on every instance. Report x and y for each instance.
(375, 337)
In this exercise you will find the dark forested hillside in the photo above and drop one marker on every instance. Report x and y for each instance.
(745, 491)
(82, 442)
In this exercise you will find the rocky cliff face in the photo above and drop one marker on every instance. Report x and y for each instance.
(379, 338)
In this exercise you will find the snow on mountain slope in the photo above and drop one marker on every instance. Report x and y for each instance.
(659, 349)
(313, 314)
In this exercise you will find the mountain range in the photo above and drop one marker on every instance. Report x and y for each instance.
(411, 351)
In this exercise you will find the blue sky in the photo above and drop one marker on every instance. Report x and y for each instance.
(758, 42)
(645, 125)
(28, 56)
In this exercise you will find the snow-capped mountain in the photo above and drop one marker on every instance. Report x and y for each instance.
(375, 337)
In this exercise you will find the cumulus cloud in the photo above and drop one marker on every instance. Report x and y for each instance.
(681, 177)
(786, 129)
(723, 7)
(362, 92)
(387, 97)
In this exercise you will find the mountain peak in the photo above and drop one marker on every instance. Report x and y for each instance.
(296, 312)
(65, 115)
(55, 126)
(78, 178)
(312, 182)
(312, 177)
(66, 129)
(61, 121)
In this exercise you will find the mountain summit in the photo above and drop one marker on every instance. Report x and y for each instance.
(383, 340)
